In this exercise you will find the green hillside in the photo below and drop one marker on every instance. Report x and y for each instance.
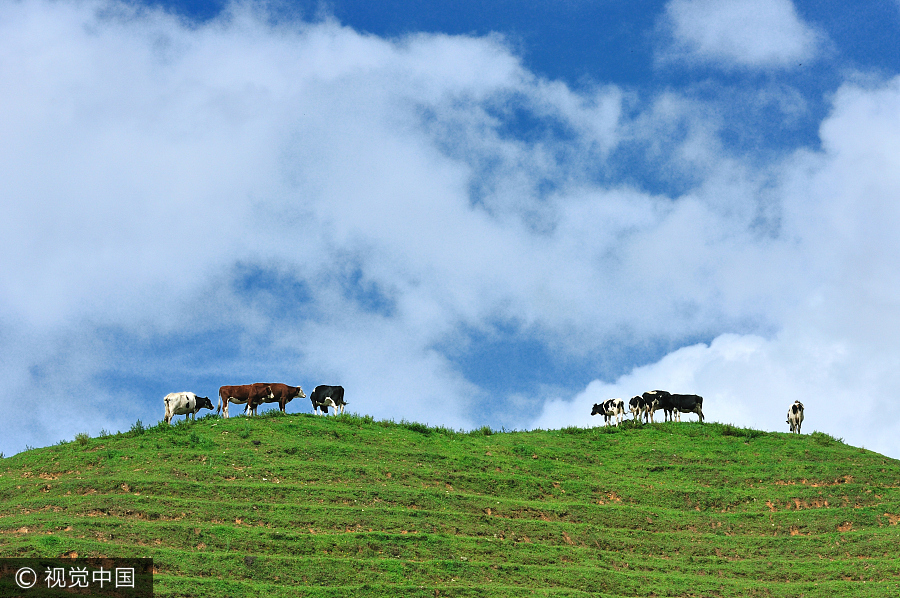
(300, 505)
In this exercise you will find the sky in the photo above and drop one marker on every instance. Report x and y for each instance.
(466, 214)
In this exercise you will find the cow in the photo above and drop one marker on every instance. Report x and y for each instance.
(614, 408)
(281, 394)
(641, 407)
(687, 404)
(656, 400)
(795, 416)
(673, 405)
(328, 396)
(243, 394)
(184, 403)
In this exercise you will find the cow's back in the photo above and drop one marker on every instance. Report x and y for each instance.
(323, 391)
(226, 392)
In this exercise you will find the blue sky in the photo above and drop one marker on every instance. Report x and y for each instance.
(465, 213)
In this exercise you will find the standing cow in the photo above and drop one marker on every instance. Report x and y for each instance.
(673, 405)
(641, 407)
(281, 394)
(184, 403)
(795, 416)
(611, 408)
(328, 396)
(244, 394)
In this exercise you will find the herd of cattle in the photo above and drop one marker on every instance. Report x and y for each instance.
(673, 405)
(252, 396)
(323, 397)
(645, 405)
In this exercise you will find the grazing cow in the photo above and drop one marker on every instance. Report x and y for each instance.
(281, 393)
(673, 405)
(795, 416)
(184, 403)
(328, 396)
(639, 406)
(244, 394)
(614, 408)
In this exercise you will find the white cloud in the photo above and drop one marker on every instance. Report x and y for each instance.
(750, 381)
(836, 349)
(740, 33)
(377, 188)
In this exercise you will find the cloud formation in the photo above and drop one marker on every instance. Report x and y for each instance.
(740, 33)
(246, 199)
(828, 284)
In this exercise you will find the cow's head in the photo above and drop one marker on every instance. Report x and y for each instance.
(597, 410)
(300, 394)
(204, 403)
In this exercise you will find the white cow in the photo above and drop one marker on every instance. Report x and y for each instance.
(795, 416)
(184, 403)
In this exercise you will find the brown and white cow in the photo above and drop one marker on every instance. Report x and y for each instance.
(184, 403)
(281, 394)
(244, 394)
(795, 416)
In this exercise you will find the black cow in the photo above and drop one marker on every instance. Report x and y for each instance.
(673, 405)
(795, 416)
(610, 408)
(328, 396)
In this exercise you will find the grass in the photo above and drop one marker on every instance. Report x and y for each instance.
(300, 505)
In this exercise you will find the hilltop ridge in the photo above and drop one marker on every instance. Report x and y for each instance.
(288, 505)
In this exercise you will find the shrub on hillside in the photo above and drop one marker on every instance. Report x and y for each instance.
(631, 424)
(416, 427)
(730, 430)
(825, 439)
(82, 438)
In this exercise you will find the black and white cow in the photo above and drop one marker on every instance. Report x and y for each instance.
(184, 403)
(656, 400)
(614, 408)
(641, 407)
(328, 396)
(795, 416)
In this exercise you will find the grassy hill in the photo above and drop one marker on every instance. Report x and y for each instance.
(300, 505)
